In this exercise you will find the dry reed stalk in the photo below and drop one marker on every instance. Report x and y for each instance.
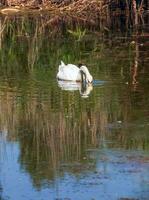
(86, 7)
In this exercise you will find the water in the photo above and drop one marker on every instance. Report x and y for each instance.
(59, 142)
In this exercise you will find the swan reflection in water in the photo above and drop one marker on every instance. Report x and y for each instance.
(84, 89)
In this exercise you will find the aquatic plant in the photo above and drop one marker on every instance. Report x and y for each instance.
(78, 33)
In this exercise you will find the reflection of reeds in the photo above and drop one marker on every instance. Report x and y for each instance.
(34, 46)
(34, 29)
(2, 27)
(46, 136)
(51, 132)
(55, 127)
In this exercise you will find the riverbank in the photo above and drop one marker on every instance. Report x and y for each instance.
(84, 8)
(84, 12)
(75, 6)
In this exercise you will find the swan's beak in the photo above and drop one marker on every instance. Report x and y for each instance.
(90, 80)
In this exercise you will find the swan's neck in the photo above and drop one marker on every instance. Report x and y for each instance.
(88, 77)
(83, 76)
(83, 81)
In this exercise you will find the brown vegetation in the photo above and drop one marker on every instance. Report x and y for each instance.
(86, 7)
(88, 12)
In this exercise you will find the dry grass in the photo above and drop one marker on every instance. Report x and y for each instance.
(81, 11)
(79, 7)
(86, 11)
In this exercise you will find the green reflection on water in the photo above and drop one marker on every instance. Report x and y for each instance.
(54, 126)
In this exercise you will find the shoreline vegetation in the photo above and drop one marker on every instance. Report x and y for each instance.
(85, 8)
(91, 13)
(33, 24)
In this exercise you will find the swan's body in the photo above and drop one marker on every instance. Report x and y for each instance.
(71, 72)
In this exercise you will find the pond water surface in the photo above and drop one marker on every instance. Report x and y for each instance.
(60, 142)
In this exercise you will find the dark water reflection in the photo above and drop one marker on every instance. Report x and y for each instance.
(54, 144)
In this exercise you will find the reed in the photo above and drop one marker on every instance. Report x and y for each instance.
(81, 10)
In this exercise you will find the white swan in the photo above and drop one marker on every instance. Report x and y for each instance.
(71, 72)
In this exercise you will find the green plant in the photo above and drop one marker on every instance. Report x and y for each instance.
(78, 33)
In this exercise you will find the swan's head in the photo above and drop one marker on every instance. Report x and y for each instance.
(85, 91)
(88, 76)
